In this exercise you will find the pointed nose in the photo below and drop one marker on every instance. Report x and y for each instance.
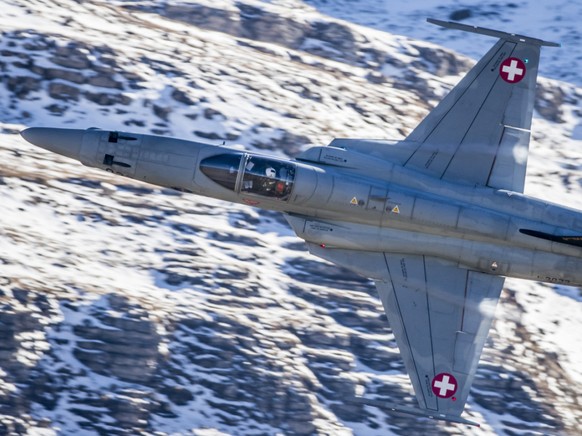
(62, 141)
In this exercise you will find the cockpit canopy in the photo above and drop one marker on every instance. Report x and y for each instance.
(263, 176)
(222, 168)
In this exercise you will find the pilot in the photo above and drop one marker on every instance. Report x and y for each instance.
(270, 180)
(271, 172)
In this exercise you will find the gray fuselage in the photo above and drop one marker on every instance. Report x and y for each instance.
(344, 199)
(340, 198)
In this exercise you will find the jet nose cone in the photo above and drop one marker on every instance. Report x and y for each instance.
(62, 141)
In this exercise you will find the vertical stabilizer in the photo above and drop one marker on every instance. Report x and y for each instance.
(479, 133)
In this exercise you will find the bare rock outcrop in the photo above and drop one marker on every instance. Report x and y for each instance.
(125, 343)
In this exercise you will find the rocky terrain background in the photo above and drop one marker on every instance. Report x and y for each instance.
(129, 309)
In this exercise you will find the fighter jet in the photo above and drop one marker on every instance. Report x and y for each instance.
(437, 220)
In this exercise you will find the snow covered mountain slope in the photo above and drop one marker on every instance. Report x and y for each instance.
(127, 308)
(555, 20)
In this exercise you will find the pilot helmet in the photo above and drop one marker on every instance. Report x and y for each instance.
(270, 172)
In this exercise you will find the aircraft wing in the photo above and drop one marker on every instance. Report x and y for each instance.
(440, 314)
(479, 133)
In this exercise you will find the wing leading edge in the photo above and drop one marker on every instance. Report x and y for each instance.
(440, 314)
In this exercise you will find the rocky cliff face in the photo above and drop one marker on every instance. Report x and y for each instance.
(125, 308)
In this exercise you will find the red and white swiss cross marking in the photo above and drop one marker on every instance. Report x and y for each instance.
(512, 70)
(444, 385)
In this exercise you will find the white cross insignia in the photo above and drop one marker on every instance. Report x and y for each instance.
(512, 70)
(444, 385)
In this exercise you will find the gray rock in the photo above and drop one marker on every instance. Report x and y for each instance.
(337, 35)
(441, 62)
(211, 114)
(182, 96)
(351, 412)
(107, 99)
(75, 62)
(104, 81)
(128, 408)
(73, 55)
(162, 112)
(67, 75)
(460, 14)
(205, 17)
(300, 427)
(56, 109)
(261, 25)
(125, 346)
(61, 91)
(21, 86)
(177, 394)
(207, 135)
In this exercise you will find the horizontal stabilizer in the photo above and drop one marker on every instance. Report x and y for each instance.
(409, 410)
(490, 32)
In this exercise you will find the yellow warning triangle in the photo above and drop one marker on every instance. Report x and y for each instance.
(395, 209)
(354, 201)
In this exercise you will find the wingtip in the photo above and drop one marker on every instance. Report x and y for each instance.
(415, 411)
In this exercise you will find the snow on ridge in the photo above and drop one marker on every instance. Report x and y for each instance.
(545, 19)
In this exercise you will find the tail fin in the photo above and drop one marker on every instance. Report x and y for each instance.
(479, 133)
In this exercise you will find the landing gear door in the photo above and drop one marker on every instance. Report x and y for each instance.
(118, 152)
